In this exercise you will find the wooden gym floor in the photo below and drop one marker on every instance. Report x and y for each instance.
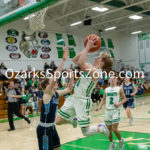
(137, 137)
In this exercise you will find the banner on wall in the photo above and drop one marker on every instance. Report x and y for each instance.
(12, 32)
(43, 35)
(144, 48)
(111, 47)
(59, 38)
(72, 52)
(29, 45)
(60, 52)
(71, 40)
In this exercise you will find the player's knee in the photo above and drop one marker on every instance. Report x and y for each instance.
(114, 129)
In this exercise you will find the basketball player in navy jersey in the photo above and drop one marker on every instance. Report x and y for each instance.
(48, 138)
(130, 90)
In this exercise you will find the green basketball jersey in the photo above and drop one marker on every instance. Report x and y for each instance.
(112, 97)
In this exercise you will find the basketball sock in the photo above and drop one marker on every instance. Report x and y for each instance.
(88, 131)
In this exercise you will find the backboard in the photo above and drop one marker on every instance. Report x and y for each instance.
(11, 10)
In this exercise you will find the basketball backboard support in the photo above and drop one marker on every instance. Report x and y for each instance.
(12, 10)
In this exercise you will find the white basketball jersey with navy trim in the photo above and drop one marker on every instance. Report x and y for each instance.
(112, 97)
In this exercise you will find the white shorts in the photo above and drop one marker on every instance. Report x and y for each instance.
(76, 107)
(112, 116)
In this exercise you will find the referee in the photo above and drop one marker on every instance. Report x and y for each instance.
(13, 95)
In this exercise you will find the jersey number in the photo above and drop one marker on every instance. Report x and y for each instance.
(111, 100)
(127, 92)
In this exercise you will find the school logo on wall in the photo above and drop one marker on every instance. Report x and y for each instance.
(45, 42)
(14, 55)
(43, 35)
(11, 48)
(45, 56)
(12, 32)
(11, 40)
(46, 49)
(29, 45)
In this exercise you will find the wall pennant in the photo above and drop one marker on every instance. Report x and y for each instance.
(45, 56)
(11, 40)
(14, 55)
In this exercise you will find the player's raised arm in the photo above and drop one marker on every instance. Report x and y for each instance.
(53, 80)
(70, 85)
(76, 58)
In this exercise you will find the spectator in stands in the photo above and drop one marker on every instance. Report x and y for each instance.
(3, 66)
(33, 89)
(140, 89)
(46, 66)
(95, 96)
(53, 66)
(2, 73)
(71, 67)
(23, 83)
(101, 92)
(35, 104)
(23, 102)
(13, 95)
(101, 81)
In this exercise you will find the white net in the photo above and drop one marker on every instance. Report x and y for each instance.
(36, 23)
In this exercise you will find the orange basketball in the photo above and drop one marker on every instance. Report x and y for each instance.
(97, 43)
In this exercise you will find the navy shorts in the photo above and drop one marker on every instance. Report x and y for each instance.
(129, 103)
(53, 138)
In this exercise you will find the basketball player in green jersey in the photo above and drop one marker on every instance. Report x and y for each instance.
(112, 97)
(79, 103)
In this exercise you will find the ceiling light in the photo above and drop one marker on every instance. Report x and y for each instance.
(135, 17)
(111, 28)
(100, 9)
(76, 23)
(136, 32)
(30, 16)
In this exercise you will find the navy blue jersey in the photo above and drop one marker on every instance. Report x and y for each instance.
(49, 109)
(128, 89)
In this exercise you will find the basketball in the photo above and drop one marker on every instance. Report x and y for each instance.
(98, 43)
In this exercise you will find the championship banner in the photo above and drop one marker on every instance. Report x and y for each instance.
(71, 41)
(72, 52)
(59, 38)
(103, 45)
(144, 48)
(60, 52)
(111, 47)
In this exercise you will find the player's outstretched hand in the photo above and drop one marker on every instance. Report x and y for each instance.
(66, 53)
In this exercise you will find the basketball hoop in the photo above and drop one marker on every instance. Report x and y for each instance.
(36, 23)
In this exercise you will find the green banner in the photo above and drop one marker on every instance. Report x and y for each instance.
(144, 49)
(103, 43)
(71, 40)
(110, 43)
(60, 52)
(72, 52)
(59, 38)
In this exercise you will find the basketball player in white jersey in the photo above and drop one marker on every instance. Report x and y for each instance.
(80, 102)
(112, 97)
